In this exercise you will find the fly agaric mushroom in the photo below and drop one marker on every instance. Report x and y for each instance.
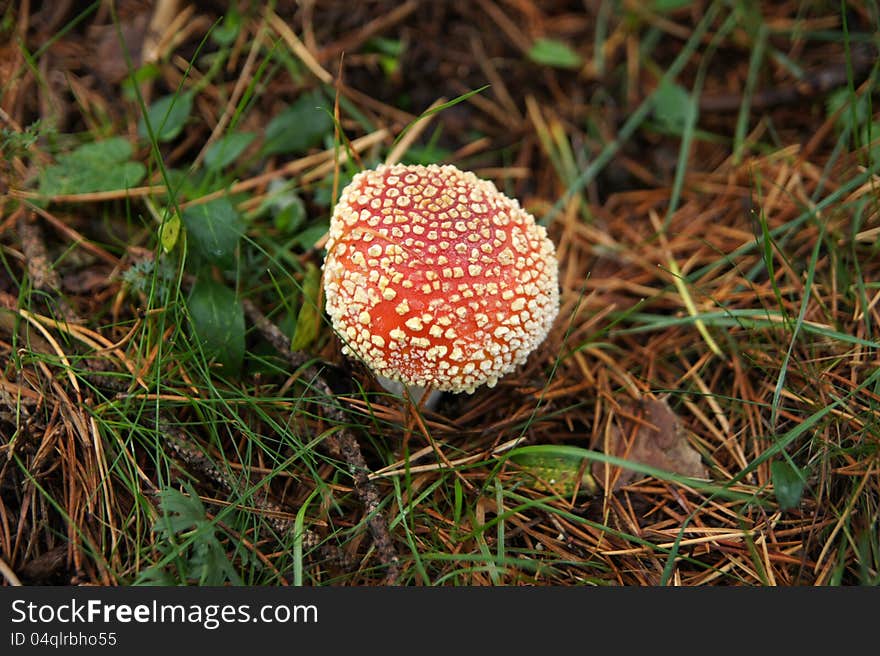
(437, 280)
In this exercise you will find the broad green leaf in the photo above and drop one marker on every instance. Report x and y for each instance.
(673, 106)
(299, 127)
(551, 52)
(71, 179)
(309, 318)
(98, 166)
(788, 484)
(117, 149)
(227, 149)
(169, 231)
(193, 183)
(167, 116)
(214, 230)
(218, 323)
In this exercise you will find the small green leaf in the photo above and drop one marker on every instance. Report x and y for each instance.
(309, 318)
(150, 277)
(551, 52)
(98, 166)
(299, 127)
(144, 74)
(389, 51)
(788, 484)
(227, 149)
(214, 230)
(390, 65)
(870, 137)
(205, 557)
(218, 323)
(285, 207)
(167, 116)
(291, 216)
(310, 236)
(181, 512)
(225, 33)
(664, 6)
(154, 575)
(211, 566)
(384, 45)
(17, 144)
(855, 110)
(556, 473)
(323, 195)
(169, 231)
(673, 106)
(426, 154)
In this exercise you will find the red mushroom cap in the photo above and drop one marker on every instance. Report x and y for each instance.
(436, 279)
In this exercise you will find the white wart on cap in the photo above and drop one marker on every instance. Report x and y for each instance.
(436, 279)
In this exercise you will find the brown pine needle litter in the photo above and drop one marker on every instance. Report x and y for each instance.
(703, 412)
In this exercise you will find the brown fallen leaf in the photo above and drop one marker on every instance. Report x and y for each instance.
(87, 280)
(45, 567)
(106, 59)
(648, 432)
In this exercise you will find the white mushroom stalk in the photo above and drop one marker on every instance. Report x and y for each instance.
(437, 280)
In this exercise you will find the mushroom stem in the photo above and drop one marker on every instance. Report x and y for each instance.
(414, 392)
